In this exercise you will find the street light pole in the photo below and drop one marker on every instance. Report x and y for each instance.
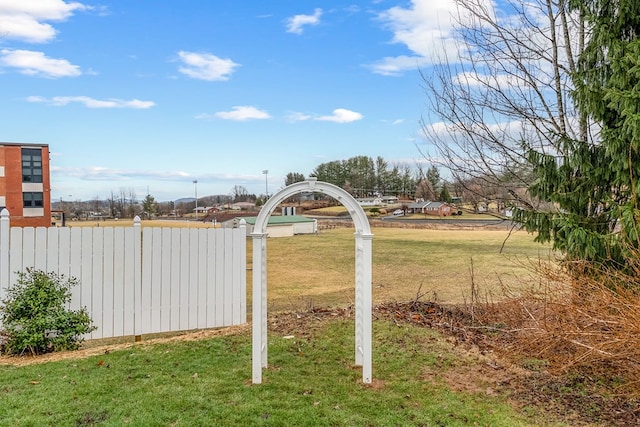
(195, 183)
(266, 183)
(62, 213)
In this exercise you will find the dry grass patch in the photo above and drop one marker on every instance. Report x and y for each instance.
(587, 323)
(318, 270)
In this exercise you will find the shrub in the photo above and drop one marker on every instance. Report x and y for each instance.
(36, 318)
(582, 319)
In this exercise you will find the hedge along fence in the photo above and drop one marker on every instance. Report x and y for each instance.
(136, 281)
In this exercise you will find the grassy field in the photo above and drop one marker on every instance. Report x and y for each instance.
(318, 269)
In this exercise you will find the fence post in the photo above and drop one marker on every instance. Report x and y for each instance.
(4, 253)
(137, 278)
(243, 271)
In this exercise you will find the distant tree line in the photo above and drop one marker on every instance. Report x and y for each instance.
(125, 204)
(364, 176)
(361, 176)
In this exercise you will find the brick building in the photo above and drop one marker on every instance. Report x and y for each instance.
(25, 188)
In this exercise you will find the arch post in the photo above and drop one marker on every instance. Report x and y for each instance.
(259, 304)
(363, 240)
(364, 301)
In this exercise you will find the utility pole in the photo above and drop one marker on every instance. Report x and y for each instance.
(195, 183)
(266, 183)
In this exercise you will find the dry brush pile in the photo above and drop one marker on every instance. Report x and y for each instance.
(587, 322)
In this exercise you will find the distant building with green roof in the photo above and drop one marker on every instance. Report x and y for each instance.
(279, 225)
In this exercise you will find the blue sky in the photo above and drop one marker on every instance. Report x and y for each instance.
(153, 94)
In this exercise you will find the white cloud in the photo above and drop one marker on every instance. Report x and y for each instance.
(476, 79)
(295, 116)
(425, 28)
(60, 101)
(206, 66)
(340, 115)
(101, 173)
(396, 65)
(25, 20)
(242, 113)
(34, 63)
(296, 23)
(110, 175)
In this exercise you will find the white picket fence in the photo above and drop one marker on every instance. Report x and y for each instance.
(135, 280)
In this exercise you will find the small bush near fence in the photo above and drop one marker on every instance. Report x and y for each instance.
(36, 318)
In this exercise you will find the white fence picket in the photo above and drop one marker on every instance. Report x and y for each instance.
(165, 277)
(16, 258)
(108, 284)
(174, 284)
(239, 308)
(86, 272)
(75, 263)
(40, 256)
(184, 279)
(64, 244)
(228, 277)
(155, 290)
(119, 282)
(52, 246)
(193, 278)
(211, 285)
(4, 251)
(201, 278)
(219, 278)
(147, 277)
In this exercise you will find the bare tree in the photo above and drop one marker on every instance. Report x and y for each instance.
(239, 193)
(132, 203)
(506, 92)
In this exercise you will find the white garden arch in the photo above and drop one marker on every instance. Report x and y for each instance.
(363, 238)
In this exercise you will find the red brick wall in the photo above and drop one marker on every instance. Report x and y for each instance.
(11, 187)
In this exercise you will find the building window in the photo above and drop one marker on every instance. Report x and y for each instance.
(32, 200)
(31, 165)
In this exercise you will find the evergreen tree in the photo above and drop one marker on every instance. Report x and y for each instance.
(444, 195)
(293, 177)
(595, 185)
(149, 205)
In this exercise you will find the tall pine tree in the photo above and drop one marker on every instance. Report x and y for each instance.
(594, 181)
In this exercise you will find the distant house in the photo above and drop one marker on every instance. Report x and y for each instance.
(377, 201)
(390, 200)
(369, 201)
(278, 226)
(201, 210)
(431, 208)
(243, 206)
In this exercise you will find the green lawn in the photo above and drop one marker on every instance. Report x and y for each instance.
(311, 381)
